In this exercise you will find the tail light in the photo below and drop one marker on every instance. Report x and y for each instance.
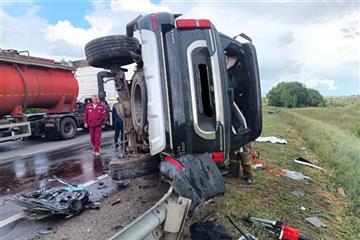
(193, 23)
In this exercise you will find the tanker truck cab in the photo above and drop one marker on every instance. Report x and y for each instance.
(193, 105)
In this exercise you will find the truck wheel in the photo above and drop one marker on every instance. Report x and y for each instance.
(139, 103)
(68, 128)
(106, 51)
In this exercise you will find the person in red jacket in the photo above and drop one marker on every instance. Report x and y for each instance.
(94, 117)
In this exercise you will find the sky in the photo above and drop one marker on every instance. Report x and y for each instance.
(313, 42)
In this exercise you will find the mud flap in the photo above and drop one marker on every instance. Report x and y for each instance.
(195, 177)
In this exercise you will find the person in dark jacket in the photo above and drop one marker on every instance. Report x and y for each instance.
(118, 124)
(236, 71)
(94, 116)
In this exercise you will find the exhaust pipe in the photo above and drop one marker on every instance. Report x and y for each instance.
(100, 80)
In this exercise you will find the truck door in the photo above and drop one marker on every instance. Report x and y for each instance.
(244, 95)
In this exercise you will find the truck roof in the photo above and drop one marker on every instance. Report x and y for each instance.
(13, 56)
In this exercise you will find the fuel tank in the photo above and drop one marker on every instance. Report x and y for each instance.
(31, 82)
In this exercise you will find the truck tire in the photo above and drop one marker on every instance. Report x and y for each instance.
(134, 166)
(139, 103)
(68, 128)
(111, 50)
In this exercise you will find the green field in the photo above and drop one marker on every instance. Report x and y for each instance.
(322, 135)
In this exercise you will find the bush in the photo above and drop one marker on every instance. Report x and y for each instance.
(294, 94)
(356, 129)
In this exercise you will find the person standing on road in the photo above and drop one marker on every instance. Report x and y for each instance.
(118, 124)
(94, 116)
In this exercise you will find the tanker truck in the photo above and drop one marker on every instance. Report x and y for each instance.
(49, 87)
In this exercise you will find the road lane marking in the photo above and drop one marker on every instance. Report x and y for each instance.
(12, 219)
(51, 148)
(20, 215)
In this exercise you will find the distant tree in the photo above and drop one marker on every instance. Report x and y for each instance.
(294, 94)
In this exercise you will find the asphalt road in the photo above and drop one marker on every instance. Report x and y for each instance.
(23, 163)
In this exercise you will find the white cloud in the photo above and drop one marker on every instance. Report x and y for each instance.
(295, 42)
(144, 6)
(316, 82)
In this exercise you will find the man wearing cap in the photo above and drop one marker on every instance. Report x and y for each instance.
(236, 71)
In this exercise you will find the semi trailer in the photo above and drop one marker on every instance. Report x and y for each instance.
(38, 98)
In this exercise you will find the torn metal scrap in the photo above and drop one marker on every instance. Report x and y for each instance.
(66, 200)
(194, 177)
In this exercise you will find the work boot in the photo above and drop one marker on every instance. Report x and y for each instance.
(116, 144)
(248, 180)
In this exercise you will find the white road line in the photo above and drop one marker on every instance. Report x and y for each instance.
(51, 148)
(12, 219)
(20, 215)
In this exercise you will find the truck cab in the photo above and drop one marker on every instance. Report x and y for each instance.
(181, 90)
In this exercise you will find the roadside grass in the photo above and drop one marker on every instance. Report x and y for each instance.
(270, 195)
(346, 117)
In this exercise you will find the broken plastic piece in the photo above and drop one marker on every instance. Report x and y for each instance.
(341, 191)
(306, 162)
(298, 194)
(296, 175)
(116, 202)
(316, 222)
(271, 139)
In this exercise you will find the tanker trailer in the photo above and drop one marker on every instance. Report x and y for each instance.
(30, 82)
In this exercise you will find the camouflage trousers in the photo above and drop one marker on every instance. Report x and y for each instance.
(242, 156)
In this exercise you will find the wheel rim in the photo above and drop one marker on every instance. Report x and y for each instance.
(68, 128)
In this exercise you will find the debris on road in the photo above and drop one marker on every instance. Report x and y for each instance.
(341, 191)
(116, 202)
(66, 200)
(46, 231)
(306, 162)
(316, 222)
(271, 140)
(295, 175)
(298, 194)
(122, 183)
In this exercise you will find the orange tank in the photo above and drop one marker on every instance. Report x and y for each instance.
(30, 82)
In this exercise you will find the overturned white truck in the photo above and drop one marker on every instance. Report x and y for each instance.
(183, 113)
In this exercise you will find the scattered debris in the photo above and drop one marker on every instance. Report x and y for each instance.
(93, 206)
(67, 200)
(194, 177)
(116, 202)
(271, 139)
(306, 162)
(302, 208)
(298, 194)
(279, 228)
(258, 167)
(295, 175)
(209, 230)
(243, 236)
(341, 191)
(316, 222)
(123, 183)
(46, 231)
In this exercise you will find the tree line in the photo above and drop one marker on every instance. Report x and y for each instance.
(294, 94)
